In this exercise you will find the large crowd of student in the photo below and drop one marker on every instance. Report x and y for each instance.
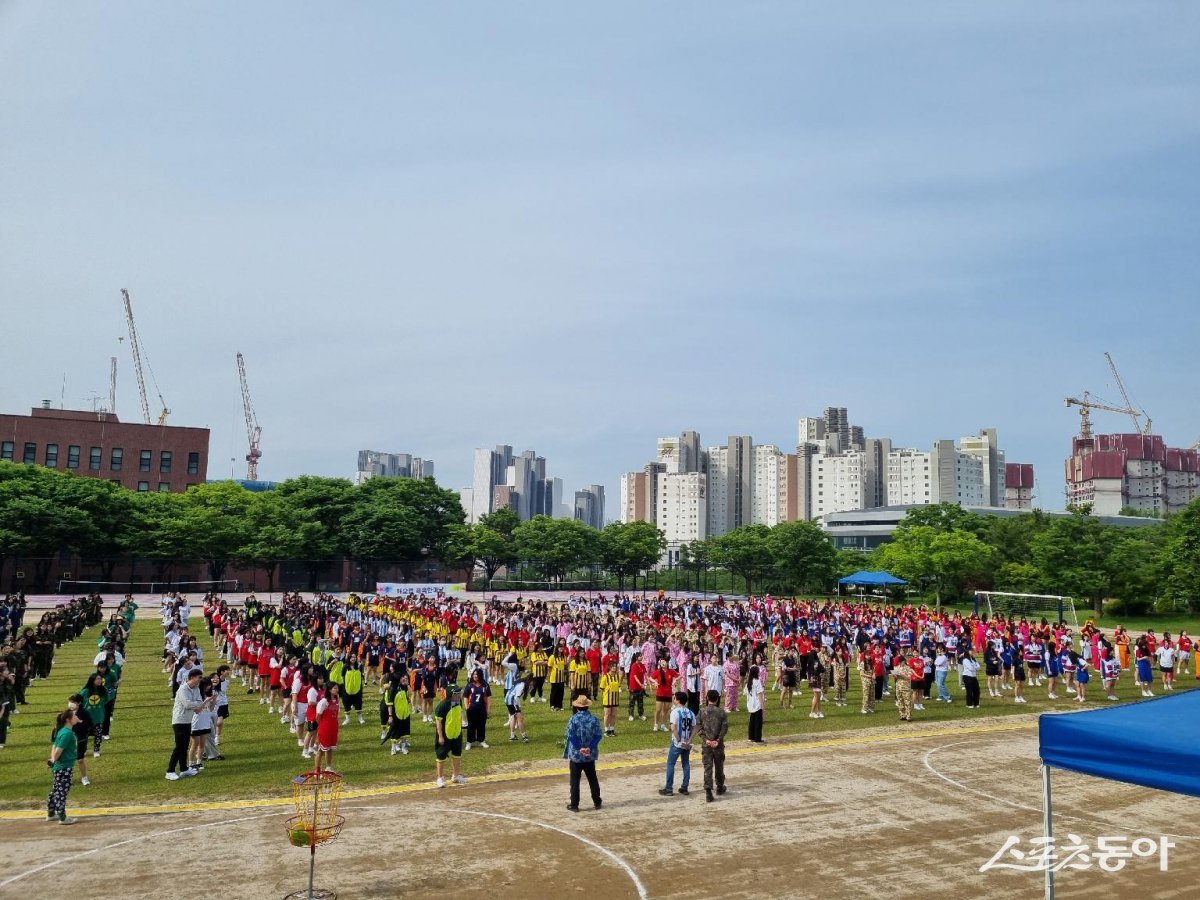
(310, 660)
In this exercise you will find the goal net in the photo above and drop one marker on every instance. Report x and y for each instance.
(1050, 606)
(121, 588)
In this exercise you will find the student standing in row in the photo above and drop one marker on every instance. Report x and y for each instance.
(755, 699)
(477, 698)
(62, 764)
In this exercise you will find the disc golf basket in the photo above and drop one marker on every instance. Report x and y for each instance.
(316, 822)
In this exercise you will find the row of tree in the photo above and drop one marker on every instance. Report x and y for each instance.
(942, 549)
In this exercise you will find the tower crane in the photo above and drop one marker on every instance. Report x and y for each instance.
(112, 385)
(1087, 404)
(136, 348)
(253, 432)
(1133, 414)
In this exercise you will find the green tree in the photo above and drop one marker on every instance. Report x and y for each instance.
(326, 502)
(1180, 557)
(1080, 557)
(1019, 578)
(216, 522)
(490, 543)
(803, 552)
(630, 548)
(944, 517)
(277, 531)
(745, 551)
(383, 531)
(947, 560)
(556, 546)
(434, 510)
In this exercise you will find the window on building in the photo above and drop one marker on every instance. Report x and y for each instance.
(116, 459)
(164, 486)
(193, 463)
(52, 456)
(94, 457)
(30, 455)
(164, 461)
(144, 461)
(6, 450)
(143, 485)
(73, 456)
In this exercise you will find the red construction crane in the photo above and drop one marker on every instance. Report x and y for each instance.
(253, 432)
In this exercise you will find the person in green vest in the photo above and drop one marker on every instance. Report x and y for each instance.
(399, 714)
(352, 690)
(62, 764)
(336, 670)
(447, 718)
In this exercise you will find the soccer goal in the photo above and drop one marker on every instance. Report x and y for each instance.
(120, 588)
(1028, 605)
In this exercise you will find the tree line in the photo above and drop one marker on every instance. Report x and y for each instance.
(942, 550)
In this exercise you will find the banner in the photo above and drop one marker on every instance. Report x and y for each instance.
(394, 589)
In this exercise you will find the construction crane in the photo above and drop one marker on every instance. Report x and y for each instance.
(135, 347)
(253, 432)
(1087, 404)
(1133, 414)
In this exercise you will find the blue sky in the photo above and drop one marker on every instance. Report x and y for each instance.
(434, 227)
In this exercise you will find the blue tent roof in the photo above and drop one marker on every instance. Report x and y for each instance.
(872, 579)
(1155, 743)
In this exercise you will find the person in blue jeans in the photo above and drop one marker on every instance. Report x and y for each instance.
(683, 723)
(941, 668)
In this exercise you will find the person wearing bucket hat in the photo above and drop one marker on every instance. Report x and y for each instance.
(582, 749)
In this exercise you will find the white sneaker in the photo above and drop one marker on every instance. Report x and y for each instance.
(107, 736)
(483, 744)
(459, 779)
(172, 776)
(96, 755)
(361, 720)
(85, 781)
(346, 720)
(441, 782)
(466, 746)
(395, 750)
(631, 718)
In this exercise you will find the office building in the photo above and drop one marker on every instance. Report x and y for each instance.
(987, 449)
(99, 445)
(376, 464)
(589, 506)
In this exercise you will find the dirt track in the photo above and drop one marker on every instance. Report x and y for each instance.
(893, 819)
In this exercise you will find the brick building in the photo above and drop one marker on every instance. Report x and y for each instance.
(99, 445)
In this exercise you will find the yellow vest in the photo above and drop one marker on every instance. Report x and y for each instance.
(400, 705)
(354, 681)
(453, 724)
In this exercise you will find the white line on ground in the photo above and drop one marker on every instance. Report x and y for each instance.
(624, 866)
(132, 840)
(1036, 809)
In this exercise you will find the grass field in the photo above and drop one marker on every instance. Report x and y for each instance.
(262, 756)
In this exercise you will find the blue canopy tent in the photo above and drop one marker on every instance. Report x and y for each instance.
(1124, 743)
(872, 579)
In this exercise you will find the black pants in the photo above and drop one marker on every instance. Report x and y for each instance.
(588, 769)
(108, 711)
(476, 725)
(537, 686)
(694, 702)
(756, 725)
(637, 698)
(880, 682)
(4, 714)
(183, 736)
(971, 686)
(556, 695)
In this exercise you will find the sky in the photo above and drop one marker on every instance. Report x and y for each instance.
(576, 228)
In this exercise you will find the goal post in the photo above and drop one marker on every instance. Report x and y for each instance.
(1009, 603)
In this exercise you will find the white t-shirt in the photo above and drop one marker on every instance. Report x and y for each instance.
(753, 696)
(942, 663)
(683, 721)
(714, 677)
(1166, 656)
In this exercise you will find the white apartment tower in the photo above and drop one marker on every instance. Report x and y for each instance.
(682, 507)
(768, 505)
